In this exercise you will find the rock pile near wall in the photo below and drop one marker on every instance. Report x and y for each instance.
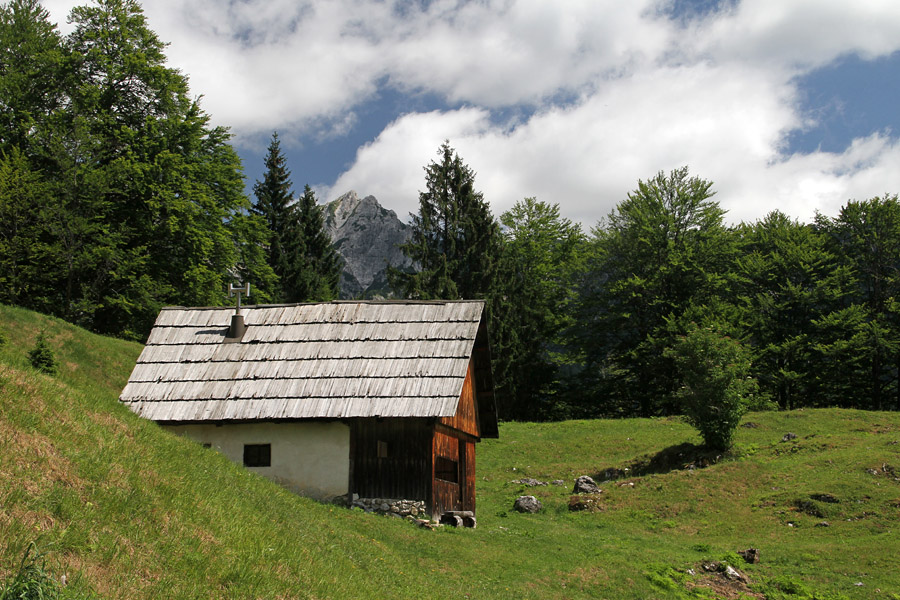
(401, 508)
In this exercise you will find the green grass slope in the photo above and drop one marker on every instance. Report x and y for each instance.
(126, 510)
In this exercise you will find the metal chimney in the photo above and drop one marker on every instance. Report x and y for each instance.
(238, 327)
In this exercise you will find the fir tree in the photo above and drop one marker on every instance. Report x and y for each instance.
(42, 356)
(455, 239)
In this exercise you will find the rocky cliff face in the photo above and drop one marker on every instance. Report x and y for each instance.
(367, 236)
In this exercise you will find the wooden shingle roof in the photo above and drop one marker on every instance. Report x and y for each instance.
(327, 360)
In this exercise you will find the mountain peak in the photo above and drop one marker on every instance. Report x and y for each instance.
(367, 236)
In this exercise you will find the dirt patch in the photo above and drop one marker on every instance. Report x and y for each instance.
(724, 588)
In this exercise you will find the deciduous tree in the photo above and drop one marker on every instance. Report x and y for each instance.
(661, 259)
(532, 308)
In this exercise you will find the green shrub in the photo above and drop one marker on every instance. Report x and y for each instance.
(42, 356)
(715, 384)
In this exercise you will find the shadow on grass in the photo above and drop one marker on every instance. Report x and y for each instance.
(674, 458)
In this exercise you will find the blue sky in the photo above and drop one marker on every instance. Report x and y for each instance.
(783, 104)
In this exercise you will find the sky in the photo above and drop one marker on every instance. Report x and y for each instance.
(782, 104)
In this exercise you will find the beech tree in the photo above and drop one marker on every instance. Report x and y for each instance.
(866, 237)
(455, 239)
(141, 201)
(532, 308)
(790, 279)
(659, 261)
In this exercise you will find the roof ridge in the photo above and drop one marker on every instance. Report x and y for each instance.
(373, 302)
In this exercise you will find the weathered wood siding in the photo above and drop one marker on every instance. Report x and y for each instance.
(468, 451)
(405, 471)
(466, 417)
(450, 495)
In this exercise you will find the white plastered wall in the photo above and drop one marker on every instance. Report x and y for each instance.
(308, 457)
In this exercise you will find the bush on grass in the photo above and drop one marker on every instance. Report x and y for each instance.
(716, 387)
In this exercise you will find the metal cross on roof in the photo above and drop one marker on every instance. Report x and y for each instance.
(237, 290)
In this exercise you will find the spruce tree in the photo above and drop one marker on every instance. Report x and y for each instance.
(455, 239)
(299, 250)
(316, 275)
(273, 204)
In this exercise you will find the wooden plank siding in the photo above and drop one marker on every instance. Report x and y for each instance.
(453, 495)
(405, 471)
(466, 417)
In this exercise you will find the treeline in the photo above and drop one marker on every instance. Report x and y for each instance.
(584, 325)
(117, 196)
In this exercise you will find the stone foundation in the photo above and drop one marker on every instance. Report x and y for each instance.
(401, 508)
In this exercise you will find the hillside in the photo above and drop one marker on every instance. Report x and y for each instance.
(126, 510)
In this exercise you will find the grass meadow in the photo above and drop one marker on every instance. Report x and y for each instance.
(123, 509)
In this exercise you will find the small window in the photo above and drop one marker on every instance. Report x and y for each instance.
(382, 450)
(257, 455)
(446, 469)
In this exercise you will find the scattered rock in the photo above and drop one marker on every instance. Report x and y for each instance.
(751, 555)
(584, 502)
(829, 498)
(872, 471)
(791, 524)
(585, 485)
(527, 504)
(750, 425)
(451, 520)
(557, 482)
(823, 524)
(788, 437)
(733, 574)
(712, 567)
(425, 523)
(629, 484)
(530, 482)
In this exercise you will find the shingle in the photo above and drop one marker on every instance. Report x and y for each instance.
(337, 359)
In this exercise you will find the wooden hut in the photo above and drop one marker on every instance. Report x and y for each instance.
(376, 399)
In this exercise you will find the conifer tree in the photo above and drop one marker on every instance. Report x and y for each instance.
(316, 275)
(455, 239)
(299, 250)
(273, 204)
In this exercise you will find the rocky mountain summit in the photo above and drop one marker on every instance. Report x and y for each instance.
(367, 236)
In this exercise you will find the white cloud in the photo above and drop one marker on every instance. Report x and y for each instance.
(717, 94)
